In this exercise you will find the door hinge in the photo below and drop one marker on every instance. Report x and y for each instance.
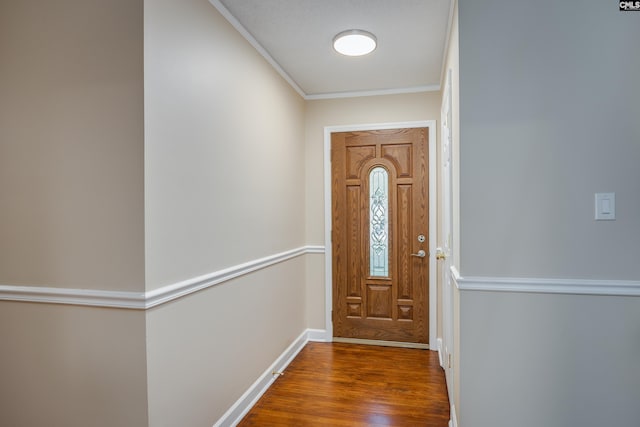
(449, 361)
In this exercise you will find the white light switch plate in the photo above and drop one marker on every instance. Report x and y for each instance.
(605, 206)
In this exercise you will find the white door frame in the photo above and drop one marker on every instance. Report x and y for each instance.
(448, 348)
(328, 130)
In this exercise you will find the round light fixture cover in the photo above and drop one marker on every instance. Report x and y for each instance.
(354, 42)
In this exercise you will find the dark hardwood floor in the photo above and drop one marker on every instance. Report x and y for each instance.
(336, 384)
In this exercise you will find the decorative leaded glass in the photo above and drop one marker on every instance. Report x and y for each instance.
(379, 222)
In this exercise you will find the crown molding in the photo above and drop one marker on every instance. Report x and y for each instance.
(257, 46)
(380, 92)
(309, 97)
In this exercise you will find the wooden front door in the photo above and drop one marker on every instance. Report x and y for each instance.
(380, 224)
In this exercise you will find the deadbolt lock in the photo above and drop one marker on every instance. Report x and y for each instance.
(421, 238)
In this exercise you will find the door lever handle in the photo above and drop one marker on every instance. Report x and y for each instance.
(421, 254)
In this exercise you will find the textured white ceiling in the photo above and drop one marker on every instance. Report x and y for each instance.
(298, 35)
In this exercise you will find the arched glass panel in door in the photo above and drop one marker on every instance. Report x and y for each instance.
(379, 222)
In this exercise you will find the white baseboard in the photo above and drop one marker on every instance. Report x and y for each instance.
(250, 397)
(318, 335)
(453, 422)
(440, 357)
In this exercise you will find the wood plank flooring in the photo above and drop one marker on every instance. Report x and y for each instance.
(337, 384)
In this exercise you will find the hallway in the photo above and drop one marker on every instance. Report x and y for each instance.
(337, 384)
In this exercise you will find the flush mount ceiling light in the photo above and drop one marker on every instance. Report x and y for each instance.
(354, 42)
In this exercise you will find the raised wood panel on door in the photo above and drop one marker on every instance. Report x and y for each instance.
(395, 307)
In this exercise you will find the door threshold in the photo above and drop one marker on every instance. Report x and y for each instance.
(382, 343)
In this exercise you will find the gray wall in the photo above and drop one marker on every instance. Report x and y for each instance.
(549, 116)
(549, 360)
(549, 107)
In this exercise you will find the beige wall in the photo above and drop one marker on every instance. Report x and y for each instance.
(72, 213)
(119, 178)
(224, 168)
(71, 144)
(67, 366)
(224, 183)
(207, 349)
(335, 112)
